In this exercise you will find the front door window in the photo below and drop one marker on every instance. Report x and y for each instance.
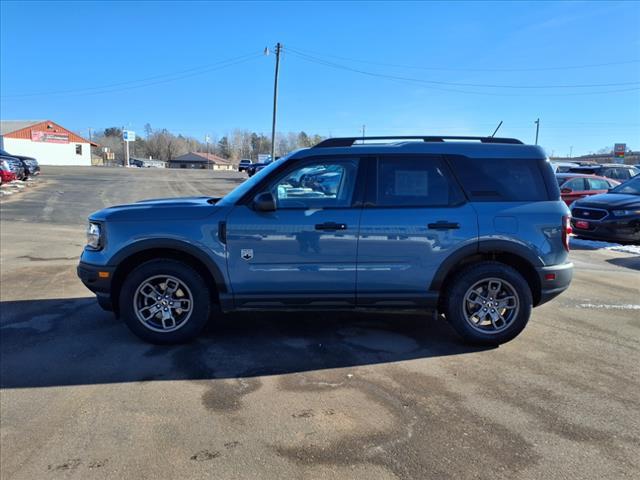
(317, 185)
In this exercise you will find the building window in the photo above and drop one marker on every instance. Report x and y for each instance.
(78, 149)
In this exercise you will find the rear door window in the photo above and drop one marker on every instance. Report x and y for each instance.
(500, 179)
(415, 181)
(598, 184)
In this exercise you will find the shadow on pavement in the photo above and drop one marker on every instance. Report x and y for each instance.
(626, 262)
(47, 343)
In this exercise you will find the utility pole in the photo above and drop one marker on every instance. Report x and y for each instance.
(126, 149)
(537, 122)
(363, 134)
(571, 151)
(275, 103)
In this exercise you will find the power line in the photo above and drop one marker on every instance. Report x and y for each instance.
(456, 84)
(190, 72)
(468, 69)
(400, 79)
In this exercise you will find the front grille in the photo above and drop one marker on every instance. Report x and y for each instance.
(588, 213)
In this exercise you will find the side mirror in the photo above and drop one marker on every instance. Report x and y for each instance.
(566, 190)
(264, 202)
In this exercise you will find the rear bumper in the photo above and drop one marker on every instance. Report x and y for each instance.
(554, 280)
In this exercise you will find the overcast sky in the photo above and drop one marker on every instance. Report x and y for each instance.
(398, 68)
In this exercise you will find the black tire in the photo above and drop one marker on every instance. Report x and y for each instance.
(196, 288)
(456, 307)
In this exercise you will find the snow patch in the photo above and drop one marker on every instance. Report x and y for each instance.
(615, 247)
(602, 306)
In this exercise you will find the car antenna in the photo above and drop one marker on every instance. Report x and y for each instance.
(496, 130)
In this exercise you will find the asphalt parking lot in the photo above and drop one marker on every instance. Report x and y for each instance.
(314, 396)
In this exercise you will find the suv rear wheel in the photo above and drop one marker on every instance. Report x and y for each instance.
(165, 301)
(488, 303)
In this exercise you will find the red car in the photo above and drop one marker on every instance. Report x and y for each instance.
(574, 186)
(6, 175)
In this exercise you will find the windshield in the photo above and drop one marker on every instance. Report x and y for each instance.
(631, 187)
(237, 193)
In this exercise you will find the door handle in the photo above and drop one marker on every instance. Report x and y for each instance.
(331, 226)
(443, 225)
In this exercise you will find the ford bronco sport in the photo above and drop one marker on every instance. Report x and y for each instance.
(471, 226)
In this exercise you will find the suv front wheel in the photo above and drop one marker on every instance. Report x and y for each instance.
(165, 301)
(488, 303)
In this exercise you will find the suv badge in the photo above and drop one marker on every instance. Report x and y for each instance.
(246, 253)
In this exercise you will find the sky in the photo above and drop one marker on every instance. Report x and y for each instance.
(415, 68)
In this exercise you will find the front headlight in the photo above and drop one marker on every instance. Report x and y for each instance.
(624, 213)
(94, 236)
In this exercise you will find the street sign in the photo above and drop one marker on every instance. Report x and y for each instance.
(129, 136)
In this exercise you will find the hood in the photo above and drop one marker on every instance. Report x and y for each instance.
(610, 200)
(158, 209)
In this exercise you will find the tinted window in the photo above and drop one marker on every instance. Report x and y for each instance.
(598, 184)
(622, 174)
(317, 185)
(415, 181)
(501, 179)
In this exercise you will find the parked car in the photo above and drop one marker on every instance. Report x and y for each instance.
(563, 167)
(574, 186)
(16, 166)
(613, 216)
(6, 174)
(614, 171)
(256, 167)
(30, 164)
(474, 228)
(244, 163)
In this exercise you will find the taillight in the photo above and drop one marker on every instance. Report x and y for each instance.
(566, 231)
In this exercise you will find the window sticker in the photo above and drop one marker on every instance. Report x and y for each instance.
(411, 183)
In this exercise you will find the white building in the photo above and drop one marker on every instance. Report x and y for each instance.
(46, 141)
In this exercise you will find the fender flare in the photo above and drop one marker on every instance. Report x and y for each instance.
(172, 244)
(483, 246)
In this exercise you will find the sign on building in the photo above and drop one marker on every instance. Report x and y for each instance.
(129, 136)
(49, 137)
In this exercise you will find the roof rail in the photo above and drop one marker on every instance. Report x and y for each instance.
(349, 141)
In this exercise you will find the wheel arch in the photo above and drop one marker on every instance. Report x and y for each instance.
(510, 253)
(130, 257)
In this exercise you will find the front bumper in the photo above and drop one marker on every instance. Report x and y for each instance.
(554, 280)
(97, 278)
(610, 229)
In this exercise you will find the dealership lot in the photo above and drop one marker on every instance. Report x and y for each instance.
(299, 395)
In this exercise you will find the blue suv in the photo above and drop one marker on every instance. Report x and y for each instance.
(471, 226)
